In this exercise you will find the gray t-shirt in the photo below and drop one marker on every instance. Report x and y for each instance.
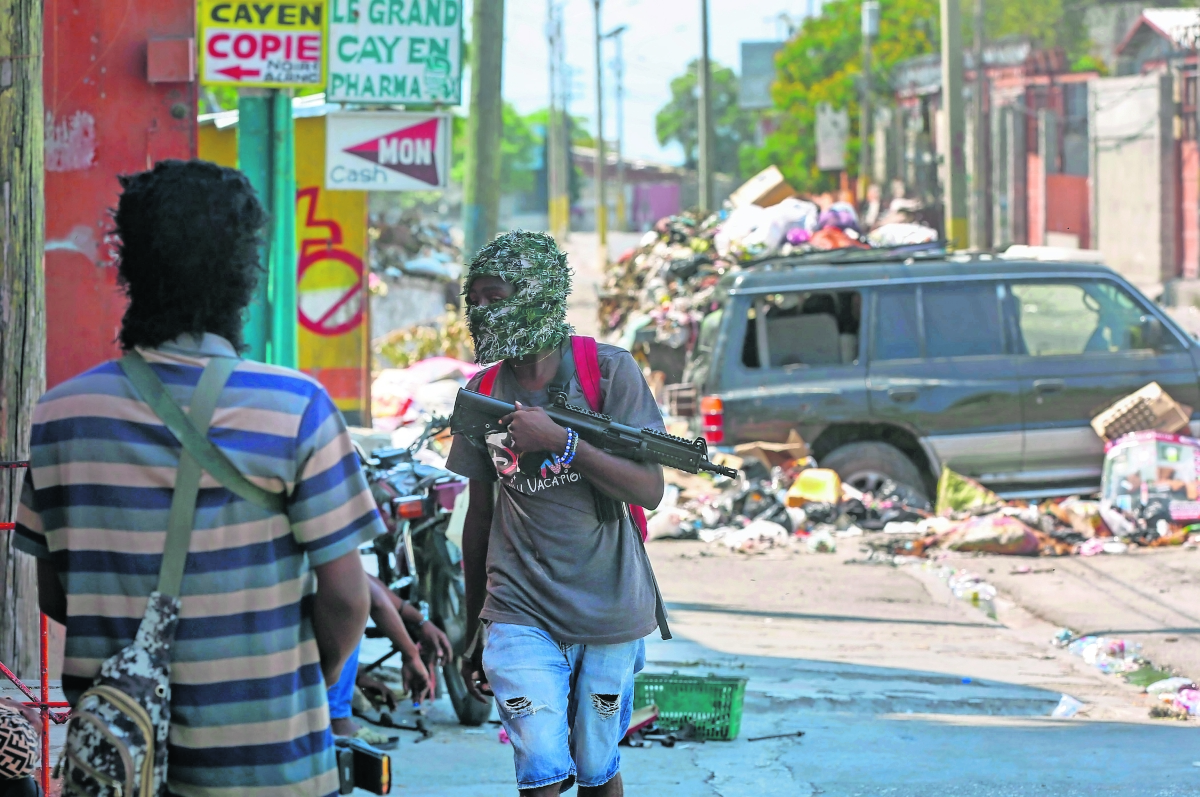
(552, 563)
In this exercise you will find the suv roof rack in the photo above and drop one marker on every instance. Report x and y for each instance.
(934, 250)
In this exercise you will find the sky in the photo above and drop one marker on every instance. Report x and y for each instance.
(663, 36)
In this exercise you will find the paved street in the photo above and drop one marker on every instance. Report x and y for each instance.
(900, 689)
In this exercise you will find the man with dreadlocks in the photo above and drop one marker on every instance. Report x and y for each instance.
(554, 564)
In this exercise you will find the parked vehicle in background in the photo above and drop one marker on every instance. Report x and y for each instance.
(896, 369)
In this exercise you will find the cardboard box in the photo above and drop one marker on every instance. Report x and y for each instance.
(764, 189)
(772, 454)
(1150, 409)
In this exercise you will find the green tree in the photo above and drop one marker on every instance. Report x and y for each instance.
(518, 151)
(678, 120)
(823, 64)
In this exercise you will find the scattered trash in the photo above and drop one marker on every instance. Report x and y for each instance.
(1170, 685)
(1108, 655)
(403, 395)
(792, 735)
(972, 588)
(821, 541)
(404, 242)
(655, 297)
(994, 534)
(815, 485)
(1067, 707)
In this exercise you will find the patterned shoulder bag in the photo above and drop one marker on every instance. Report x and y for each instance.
(117, 735)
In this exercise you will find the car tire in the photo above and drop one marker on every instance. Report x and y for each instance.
(865, 466)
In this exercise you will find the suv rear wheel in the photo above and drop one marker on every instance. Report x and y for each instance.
(866, 466)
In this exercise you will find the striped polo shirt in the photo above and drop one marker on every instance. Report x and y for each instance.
(248, 708)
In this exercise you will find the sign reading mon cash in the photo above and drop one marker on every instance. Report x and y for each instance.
(368, 151)
(395, 51)
(273, 45)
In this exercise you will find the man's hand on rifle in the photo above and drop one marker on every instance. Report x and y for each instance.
(531, 429)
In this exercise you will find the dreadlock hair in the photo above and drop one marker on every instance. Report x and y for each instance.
(188, 251)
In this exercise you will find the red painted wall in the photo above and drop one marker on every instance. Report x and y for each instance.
(1189, 205)
(1067, 206)
(103, 118)
(1035, 202)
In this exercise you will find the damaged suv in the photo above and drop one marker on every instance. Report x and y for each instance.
(894, 370)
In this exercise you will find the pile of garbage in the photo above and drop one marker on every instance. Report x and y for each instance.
(404, 396)
(781, 499)
(1178, 697)
(406, 242)
(445, 336)
(660, 291)
(1150, 497)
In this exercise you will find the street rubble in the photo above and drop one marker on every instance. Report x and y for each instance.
(656, 295)
(407, 242)
(1150, 497)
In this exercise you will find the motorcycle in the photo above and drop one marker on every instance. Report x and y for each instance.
(416, 558)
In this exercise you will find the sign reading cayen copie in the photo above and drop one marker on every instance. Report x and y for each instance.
(395, 52)
(271, 45)
(387, 151)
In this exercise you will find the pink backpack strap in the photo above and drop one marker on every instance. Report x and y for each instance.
(587, 365)
(488, 383)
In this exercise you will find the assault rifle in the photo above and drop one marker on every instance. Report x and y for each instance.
(476, 415)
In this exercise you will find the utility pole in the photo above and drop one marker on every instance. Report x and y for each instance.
(954, 191)
(22, 309)
(979, 180)
(601, 156)
(704, 137)
(554, 138)
(622, 223)
(870, 29)
(266, 154)
(481, 192)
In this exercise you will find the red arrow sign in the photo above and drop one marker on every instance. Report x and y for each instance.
(410, 150)
(237, 72)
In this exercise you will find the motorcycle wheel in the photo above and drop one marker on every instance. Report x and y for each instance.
(469, 710)
(448, 605)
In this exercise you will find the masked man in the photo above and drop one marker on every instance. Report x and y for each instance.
(554, 566)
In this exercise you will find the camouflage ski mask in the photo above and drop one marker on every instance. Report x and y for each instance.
(535, 316)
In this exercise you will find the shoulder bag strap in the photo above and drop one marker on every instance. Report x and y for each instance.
(187, 478)
(210, 458)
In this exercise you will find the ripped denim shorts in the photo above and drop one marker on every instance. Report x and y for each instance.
(559, 732)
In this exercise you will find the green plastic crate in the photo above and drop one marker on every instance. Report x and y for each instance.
(713, 705)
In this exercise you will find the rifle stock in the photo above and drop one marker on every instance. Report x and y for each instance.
(476, 416)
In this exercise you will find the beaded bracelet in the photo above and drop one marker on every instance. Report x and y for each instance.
(572, 444)
(569, 451)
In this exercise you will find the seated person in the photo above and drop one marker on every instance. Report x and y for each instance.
(392, 616)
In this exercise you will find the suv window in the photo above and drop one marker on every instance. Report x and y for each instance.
(897, 334)
(1078, 317)
(955, 320)
(803, 328)
(962, 320)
